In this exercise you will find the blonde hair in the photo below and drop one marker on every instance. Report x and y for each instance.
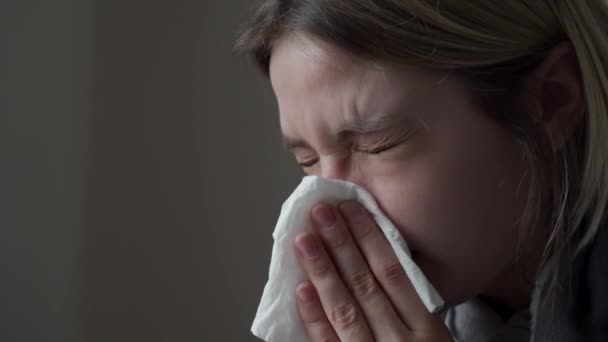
(493, 43)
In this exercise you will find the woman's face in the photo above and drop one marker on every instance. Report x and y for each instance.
(451, 179)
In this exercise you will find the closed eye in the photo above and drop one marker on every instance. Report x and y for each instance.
(374, 151)
(379, 149)
(308, 163)
(387, 142)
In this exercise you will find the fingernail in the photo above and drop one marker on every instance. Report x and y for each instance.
(324, 215)
(306, 293)
(308, 245)
(351, 209)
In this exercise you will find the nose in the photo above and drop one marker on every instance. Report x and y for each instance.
(335, 167)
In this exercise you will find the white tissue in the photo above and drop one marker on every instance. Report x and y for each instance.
(277, 318)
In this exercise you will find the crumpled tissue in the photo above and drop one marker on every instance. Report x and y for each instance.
(277, 318)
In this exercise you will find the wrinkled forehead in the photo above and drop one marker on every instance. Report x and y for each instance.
(301, 64)
(322, 90)
(300, 60)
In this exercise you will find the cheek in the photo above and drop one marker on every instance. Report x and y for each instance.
(421, 201)
(458, 210)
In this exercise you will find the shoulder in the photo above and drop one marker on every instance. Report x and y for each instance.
(578, 309)
(594, 288)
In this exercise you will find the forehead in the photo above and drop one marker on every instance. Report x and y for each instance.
(322, 91)
(302, 65)
(298, 60)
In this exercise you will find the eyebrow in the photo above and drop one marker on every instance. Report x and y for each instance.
(371, 124)
(290, 144)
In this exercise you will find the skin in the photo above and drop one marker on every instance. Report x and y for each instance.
(452, 180)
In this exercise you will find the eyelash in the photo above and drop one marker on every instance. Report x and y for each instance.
(380, 149)
(385, 145)
(373, 151)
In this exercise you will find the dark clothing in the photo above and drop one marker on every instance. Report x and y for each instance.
(579, 311)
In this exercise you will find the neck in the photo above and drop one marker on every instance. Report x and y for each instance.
(512, 292)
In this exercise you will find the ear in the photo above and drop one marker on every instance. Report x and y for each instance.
(554, 94)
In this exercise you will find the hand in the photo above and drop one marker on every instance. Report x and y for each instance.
(358, 291)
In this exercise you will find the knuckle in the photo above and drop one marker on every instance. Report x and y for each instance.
(329, 339)
(319, 267)
(361, 229)
(334, 236)
(391, 273)
(321, 331)
(363, 284)
(344, 317)
(395, 338)
(311, 316)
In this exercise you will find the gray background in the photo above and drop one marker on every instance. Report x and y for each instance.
(141, 172)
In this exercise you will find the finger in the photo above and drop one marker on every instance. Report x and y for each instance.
(317, 326)
(381, 316)
(385, 266)
(339, 306)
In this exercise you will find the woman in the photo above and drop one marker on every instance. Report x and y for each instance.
(480, 127)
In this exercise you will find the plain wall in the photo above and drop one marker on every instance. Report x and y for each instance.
(42, 120)
(142, 173)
